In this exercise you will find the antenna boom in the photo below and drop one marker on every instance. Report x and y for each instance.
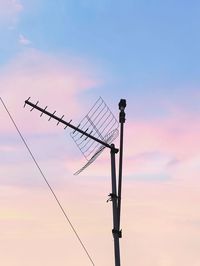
(60, 120)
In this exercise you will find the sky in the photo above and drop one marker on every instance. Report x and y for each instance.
(65, 54)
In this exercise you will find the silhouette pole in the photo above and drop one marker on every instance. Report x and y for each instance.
(114, 196)
(122, 106)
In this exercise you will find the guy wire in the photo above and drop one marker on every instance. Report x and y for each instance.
(46, 181)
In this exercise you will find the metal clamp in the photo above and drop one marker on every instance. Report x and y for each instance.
(111, 197)
(117, 232)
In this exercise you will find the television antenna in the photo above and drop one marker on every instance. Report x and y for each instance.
(97, 131)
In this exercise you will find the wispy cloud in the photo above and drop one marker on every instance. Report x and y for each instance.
(160, 149)
(23, 40)
(50, 80)
(164, 146)
(9, 11)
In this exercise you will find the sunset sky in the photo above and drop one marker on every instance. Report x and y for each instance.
(66, 54)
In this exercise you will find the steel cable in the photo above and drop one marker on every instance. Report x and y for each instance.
(46, 181)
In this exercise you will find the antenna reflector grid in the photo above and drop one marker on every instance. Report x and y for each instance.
(100, 123)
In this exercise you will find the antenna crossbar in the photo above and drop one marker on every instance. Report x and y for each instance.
(67, 124)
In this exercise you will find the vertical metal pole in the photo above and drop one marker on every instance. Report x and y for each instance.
(122, 105)
(114, 199)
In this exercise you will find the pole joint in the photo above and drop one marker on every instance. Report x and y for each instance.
(122, 116)
(113, 149)
(117, 233)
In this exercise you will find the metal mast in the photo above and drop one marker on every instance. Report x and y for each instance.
(122, 106)
(102, 128)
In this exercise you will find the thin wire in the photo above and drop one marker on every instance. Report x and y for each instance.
(53, 193)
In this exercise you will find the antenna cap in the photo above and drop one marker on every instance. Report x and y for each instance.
(122, 104)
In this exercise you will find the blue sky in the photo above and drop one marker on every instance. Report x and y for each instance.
(144, 42)
(148, 47)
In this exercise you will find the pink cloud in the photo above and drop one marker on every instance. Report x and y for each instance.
(178, 134)
(161, 146)
(159, 149)
(53, 81)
